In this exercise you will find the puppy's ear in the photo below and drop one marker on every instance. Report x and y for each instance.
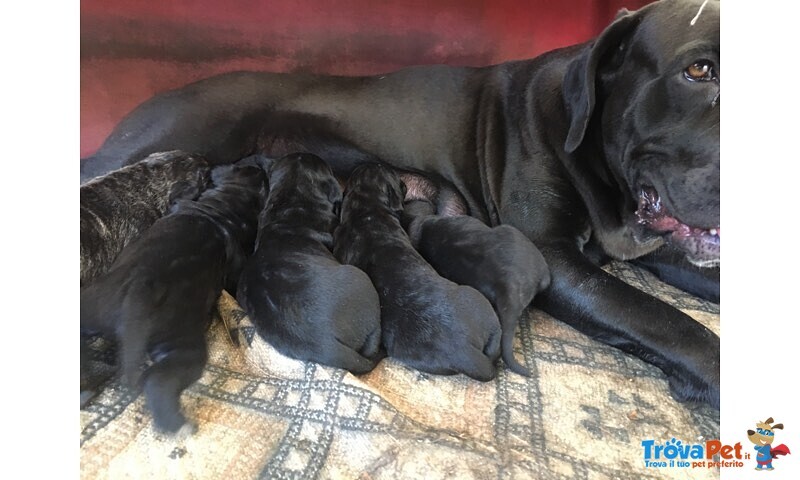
(396, 193)
(578, 86)
(334, 191)
(258, 160)
(275, 174)
(189, 189)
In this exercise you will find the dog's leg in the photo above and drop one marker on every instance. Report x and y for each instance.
(167, 378)
(671, 266)
(349, 359)
(88, 386)
(478, 365)
(615, 313)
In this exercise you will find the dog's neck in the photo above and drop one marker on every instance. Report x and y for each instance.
(234, 213)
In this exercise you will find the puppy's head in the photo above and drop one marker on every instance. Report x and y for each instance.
(376, 184)
(247, 177)
(305, 175)
(184, 175)
(238, 183)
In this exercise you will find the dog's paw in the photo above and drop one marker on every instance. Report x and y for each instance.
(684, 389)
(188, 429)
(86, 397)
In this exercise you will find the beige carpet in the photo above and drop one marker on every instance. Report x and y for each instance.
(582, 415)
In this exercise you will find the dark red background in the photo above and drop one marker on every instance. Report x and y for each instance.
(131, 49)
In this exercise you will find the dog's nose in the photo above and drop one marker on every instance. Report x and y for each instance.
(751, 432)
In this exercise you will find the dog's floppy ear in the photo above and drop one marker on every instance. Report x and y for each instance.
(334, 193)
(189, 189)
(395, 190)
(579, 81)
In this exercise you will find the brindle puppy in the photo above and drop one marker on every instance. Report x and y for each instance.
(120, 206)
(429, 323)
(499, 262)
(157, 297)
(301, 299)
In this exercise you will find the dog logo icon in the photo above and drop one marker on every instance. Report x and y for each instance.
(762, 438)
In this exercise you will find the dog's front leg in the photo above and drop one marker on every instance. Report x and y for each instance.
(613, 312)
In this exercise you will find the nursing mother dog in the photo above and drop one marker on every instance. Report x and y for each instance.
(612, 144)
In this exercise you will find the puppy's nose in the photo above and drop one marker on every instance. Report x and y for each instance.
(751, 432)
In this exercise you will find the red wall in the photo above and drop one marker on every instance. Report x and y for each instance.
(131, 49)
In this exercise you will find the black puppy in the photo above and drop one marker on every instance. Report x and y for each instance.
(157, 297)
(499, 262)
(428, 322)
(120, 206)
(301, 299)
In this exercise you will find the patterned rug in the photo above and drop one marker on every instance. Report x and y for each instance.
(582, 414)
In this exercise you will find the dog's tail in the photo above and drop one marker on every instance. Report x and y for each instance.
(509, 318)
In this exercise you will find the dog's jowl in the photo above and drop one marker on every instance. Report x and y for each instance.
(428, 322)
(301, 299)
(157, 297)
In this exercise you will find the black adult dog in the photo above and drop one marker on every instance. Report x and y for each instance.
(614, 142)
(120, 206)
(157, 297)
(428, 322)
(301, 299)
(499, 262)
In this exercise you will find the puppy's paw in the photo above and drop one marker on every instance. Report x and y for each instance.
(345, 357)
(86, 397)
(187, 430)
(172, 424)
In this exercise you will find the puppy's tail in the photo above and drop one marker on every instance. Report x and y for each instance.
(508, 323)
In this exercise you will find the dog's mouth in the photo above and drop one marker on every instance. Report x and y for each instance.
(701, 245)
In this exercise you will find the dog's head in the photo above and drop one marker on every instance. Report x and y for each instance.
(307, 177)
(376, 184)
(646, 94)
(764, 433)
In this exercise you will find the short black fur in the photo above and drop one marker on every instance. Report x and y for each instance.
(301, 299)
(428, 322)
(500, 262)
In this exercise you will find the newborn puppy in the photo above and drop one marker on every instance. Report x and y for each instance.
(157, 297)
(301, 299)
(118, 207)
(500, 262)
(428, 322)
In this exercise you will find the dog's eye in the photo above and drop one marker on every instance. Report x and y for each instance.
(700, 71)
